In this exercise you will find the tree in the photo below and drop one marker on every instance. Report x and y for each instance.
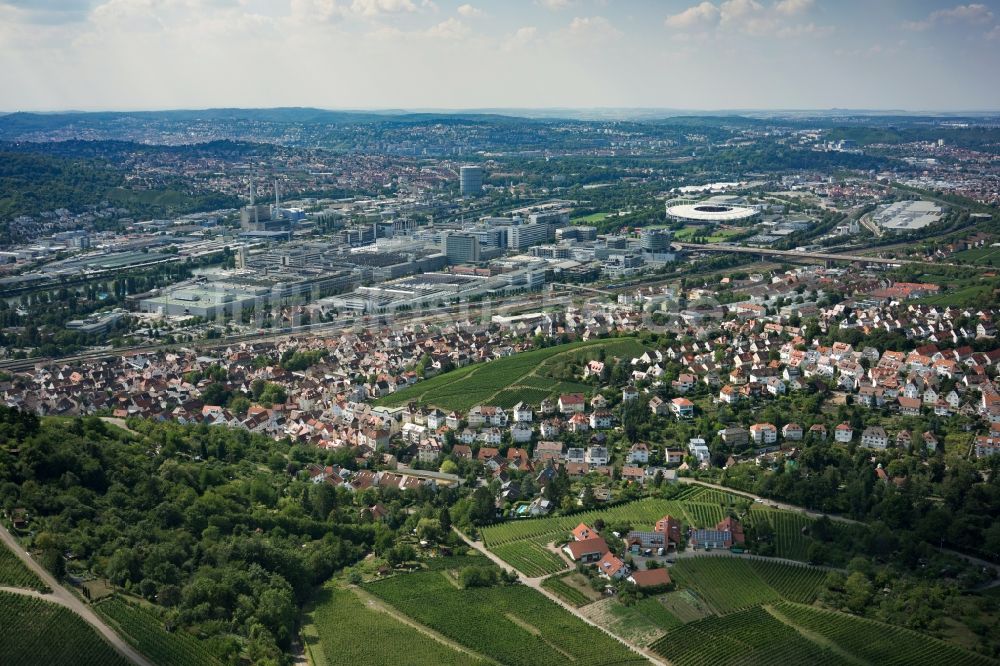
(445, 519)
(859, 591)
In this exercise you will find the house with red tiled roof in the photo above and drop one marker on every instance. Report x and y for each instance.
(650, 578)
(588, 550)
(582, 532)
(611, 567)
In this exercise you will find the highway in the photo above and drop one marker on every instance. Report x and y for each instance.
(795, 254)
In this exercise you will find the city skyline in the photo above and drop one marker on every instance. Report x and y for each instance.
(412, 54)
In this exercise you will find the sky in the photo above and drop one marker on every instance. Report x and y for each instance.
(916, 55)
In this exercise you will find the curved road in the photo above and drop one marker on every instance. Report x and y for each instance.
(60, 595)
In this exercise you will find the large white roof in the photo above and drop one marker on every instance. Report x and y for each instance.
(710, 212)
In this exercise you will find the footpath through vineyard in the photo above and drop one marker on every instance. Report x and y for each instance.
(60, 595)
(536, 584)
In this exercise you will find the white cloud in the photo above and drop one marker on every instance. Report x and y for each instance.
(372, 8)
(971, 13)
(792, 7)
(555, 5)
(468, 11)
(736, 10)
(450, 28)
(748, 17)
(520, 38)
(698, 16)
(593, 29)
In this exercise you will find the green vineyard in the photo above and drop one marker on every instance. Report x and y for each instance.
(513, 625)
(507, 380)
(566, 592)
(339, 620)
(794, 583)
(751, 636)
(531, 558)
(877, 643)
(145, 632)
(726, 583)
(33, 631)
(13, 572)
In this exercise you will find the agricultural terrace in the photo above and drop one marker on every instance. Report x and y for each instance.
(341, 629)
(13, 572)
(523, 543)
(145, 632)
(33, 631)
(729, 583)
(511, 624)
(874, 642)
(530, 376)
(751, 636)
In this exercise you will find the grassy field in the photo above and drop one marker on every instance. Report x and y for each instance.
(642, 622)
(34, 632)
(13, 572)
(512, 624)
(573, 588)
(590, 219)
(334, 624)
(145, 632)
(507, 380)
(980, 256)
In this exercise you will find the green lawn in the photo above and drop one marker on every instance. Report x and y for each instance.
(590, 219)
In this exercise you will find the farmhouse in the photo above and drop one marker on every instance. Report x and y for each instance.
(726, 534)
(586, 551)
(611, 567)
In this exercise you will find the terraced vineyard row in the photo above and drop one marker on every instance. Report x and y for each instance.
(789, 539)
(751, 636)
(726, 583)
(530, 558)
(465, 387)
(800, 584)
(341, 629)
(878, 643)
(145, 632)
(513, 624)
(33, 631)
(14, 573)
